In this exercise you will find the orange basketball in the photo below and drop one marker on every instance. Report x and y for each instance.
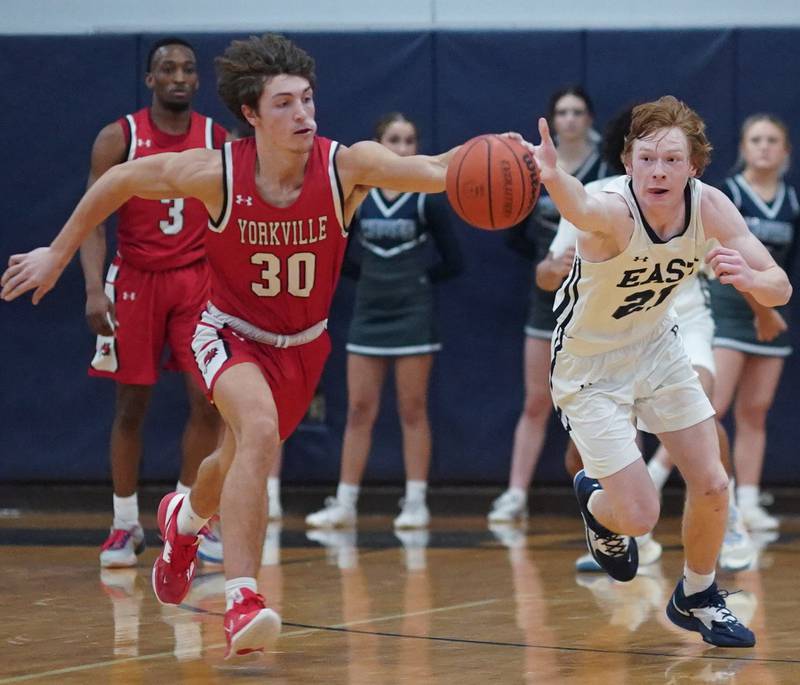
(492, 182)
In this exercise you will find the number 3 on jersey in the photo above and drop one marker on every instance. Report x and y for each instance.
(300, 272)
(175, 223)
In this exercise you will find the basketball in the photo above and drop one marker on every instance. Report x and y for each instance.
(492, 182)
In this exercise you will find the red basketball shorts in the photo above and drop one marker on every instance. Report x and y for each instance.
(154, 309)
(292, 373)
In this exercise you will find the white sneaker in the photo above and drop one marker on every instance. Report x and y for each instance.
(508, 507)
(649, 549)
(738, 551)
(413, 514)
(335, 514)
(757, 518)
(121, 547)
(649, 553)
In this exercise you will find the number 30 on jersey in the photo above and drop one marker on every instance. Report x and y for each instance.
(300, 272)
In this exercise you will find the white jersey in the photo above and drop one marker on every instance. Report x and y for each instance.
(602, 306)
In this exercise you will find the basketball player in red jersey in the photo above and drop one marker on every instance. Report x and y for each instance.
(156, 286)
(280, 204)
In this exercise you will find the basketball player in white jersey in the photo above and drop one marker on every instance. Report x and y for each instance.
(618, 358)
(694, 317)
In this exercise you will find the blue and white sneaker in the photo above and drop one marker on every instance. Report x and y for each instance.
(617, 554)
(706, 613)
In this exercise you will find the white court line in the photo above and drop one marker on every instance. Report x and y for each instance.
(293, 633)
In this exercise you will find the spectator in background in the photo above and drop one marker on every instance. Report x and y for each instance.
(749, 351)
(393, 325)
(571, 115)
(156, 286)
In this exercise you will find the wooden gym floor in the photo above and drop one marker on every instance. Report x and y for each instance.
(462, 604)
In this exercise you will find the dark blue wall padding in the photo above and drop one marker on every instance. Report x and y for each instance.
(695, 66)
(59, 92)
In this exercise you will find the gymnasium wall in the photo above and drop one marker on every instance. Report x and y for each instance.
(59, 91)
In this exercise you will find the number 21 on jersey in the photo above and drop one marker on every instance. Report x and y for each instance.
(300, 273)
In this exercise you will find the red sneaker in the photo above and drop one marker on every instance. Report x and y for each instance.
(249, 626)
(175, 566)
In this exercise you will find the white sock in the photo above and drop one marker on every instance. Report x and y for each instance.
(658, 472)
(189, 521)
(234, 587)
(695, 582)
(747, 496)
(347, 494)
(273, 487)
(519, 493)
(126, 512)
(415, 490)
(731, 494)
(182, 489)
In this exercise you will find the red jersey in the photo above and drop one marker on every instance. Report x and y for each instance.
(154, 235)
(277, 267)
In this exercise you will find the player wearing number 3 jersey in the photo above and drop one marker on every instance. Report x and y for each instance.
(155, 286)
(617, 356)
(279, 207)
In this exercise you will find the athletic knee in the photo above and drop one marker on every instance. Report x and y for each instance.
(712, 485)
(258, 434)
(639, 516)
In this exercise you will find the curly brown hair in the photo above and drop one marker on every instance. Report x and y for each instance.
(669, 112)
(246, 66)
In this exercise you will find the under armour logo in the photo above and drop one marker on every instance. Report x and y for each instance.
(641, 259)
(674, 330)
(242, 200)
(128, 296)
(144, 143)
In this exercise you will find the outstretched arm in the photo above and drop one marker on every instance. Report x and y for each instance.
(371, 164)
(194, 173)
(596, 213)
(741, 260)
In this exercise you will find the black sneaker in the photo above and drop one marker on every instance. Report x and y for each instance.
(705, 612)
(617, 554)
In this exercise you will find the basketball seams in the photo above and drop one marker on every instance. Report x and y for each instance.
(464, 153)
(489, 178)
(523, 185)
